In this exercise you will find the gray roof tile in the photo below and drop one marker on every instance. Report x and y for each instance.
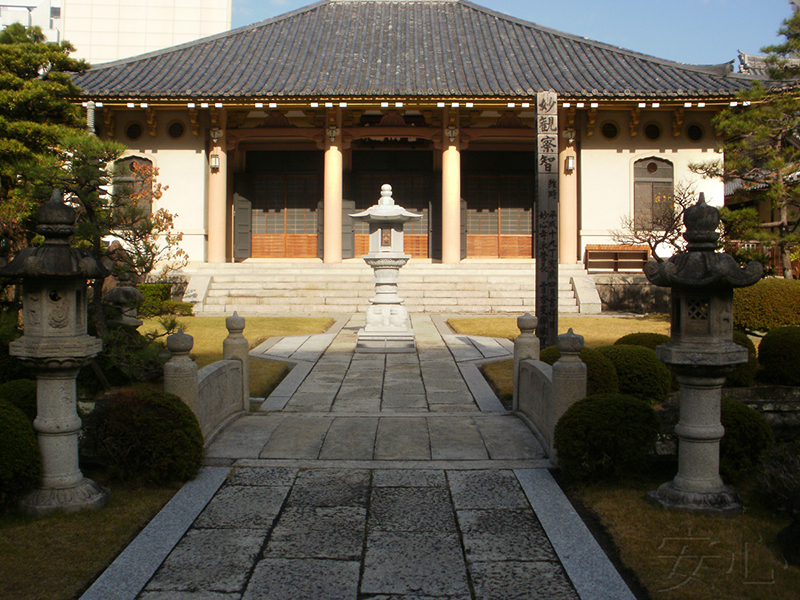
(356, 48)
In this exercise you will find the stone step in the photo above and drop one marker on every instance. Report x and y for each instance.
(292, 287)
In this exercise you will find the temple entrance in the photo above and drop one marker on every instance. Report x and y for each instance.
(275, 205)
(410, 173)
(499, 190)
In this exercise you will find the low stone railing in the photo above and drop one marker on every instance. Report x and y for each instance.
(543, 393)
(219, 392)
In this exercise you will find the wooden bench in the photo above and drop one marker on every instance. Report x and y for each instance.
(616, 257)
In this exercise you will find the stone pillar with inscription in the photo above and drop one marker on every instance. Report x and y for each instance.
(547, 217)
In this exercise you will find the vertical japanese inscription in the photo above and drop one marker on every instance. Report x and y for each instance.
(547, 217)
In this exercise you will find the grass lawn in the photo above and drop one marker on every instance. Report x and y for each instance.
(57, 557)
(683, 556)
(674, 555)
(209, 333)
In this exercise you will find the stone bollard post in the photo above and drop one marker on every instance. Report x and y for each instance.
(569, 379)
(526, 347)
(180, 372)
(236, 347)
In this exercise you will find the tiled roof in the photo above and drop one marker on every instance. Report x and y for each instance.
(389, 48)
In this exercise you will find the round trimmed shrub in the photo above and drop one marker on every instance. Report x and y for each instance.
(601, 377)
(607, 436)
(779, 356)
(747, 437)
(148, 435)
(640, 373)
(648, 340)
(20, 461)
(745, 374)
(22, 394)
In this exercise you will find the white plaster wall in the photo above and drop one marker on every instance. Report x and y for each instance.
(606, 167)
(107, 30)
(182, 166)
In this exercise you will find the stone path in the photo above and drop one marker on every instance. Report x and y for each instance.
(370, 476)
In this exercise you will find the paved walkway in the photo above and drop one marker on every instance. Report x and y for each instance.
(370, 476)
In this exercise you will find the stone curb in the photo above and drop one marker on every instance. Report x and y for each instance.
(133, 568)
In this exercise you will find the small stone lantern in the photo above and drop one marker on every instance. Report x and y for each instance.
(56, 344)
(386, 327)
(701, 353)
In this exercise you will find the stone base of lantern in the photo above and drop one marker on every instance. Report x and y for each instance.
(388, 342)
(386, 331)
(87, 495)
(722, 501)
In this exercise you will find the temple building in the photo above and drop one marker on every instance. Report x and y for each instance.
(271, 135)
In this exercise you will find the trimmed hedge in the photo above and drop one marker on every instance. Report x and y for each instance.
(640, 373)
(158, 301)
(601, 376)
(648, 340)
(745, 374)
(22, 394)
(20, 461)
(779, 356)
(747, 437)
(148, 435)
(606, 436)
(770, 303)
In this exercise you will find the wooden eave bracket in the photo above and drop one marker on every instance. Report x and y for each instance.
(636, 114)
(677, 121)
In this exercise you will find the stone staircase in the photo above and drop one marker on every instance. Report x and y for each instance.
(311, 287)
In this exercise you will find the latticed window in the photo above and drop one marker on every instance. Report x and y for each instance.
(653, 192)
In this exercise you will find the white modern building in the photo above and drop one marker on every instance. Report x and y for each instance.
(109, 30)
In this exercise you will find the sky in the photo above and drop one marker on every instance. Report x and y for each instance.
(688, 31)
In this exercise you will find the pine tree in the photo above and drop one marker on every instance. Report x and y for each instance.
(762, 147)
(36, 109)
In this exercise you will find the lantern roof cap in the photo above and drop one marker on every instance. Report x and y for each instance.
(386, 211)
(700, 266)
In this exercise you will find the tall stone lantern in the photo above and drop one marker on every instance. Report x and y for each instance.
(386, 327)
(56, 344)
(701, 353)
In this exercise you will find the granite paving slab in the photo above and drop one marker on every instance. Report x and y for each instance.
(335, 533)
(286, 579)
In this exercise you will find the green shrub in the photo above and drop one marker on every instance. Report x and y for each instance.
(779, 356)
(648, 340)
(11, 367)
(606, 436)
(601, 377)
(745, 374)
(640, 373)
(155, 295)
(747, 436)
(181, 309)
(778, 475)
(20, 461)
(147, 435)
(770, 303)
(22, 394)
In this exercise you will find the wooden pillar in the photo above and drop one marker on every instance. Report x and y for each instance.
(451, 190)
(332, 196)
(218, 196)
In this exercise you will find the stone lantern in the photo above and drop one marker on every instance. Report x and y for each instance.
(56, 344)
(701, 353)
(386, 327)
